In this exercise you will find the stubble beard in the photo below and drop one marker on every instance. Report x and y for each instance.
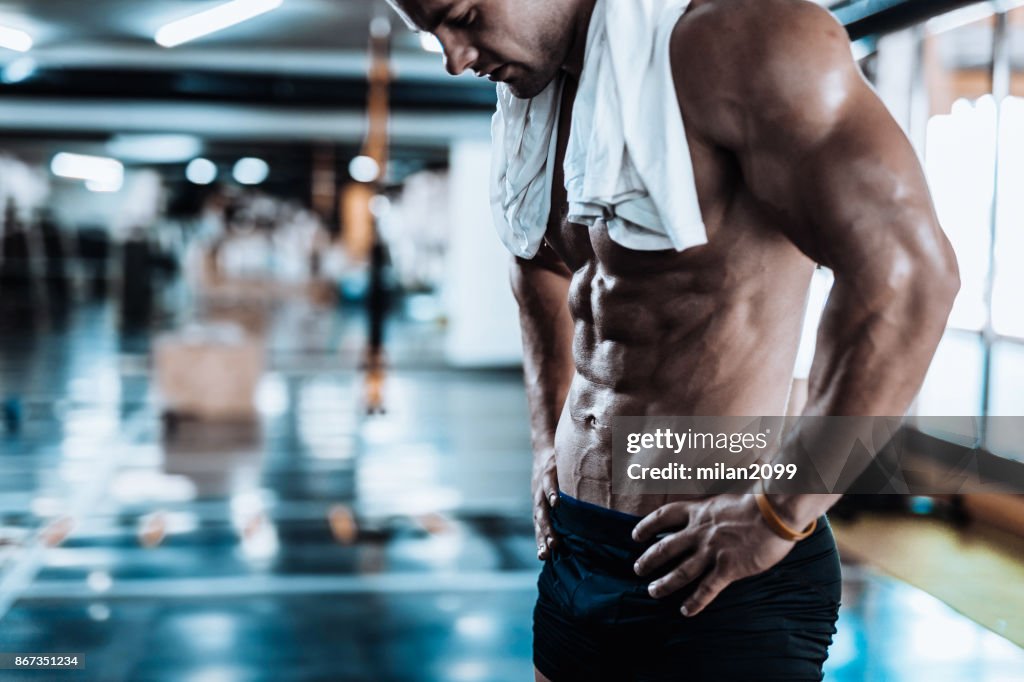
(528, 88)
(527, 83)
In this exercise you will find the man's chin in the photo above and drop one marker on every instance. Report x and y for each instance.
(526, 89)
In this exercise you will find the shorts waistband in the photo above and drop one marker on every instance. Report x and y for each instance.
(596, 523)
(611, 527)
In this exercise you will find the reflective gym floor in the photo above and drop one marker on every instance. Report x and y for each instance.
(318, 543)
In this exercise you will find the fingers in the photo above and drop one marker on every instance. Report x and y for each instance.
(542, 529)
(669, 547)
(705, 593)
(678, 578)
(674, 515)
(545, 497)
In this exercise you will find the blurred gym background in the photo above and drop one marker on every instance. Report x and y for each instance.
(262, 412)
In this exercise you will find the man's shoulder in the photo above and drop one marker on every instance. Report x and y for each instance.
(749, 25)
(757, 53)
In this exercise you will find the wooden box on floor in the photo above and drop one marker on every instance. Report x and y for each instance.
(209, 372)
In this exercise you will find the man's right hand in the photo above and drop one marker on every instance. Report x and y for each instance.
(545, 497)
(541, 287)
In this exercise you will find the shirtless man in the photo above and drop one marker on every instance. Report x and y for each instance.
(797, 162)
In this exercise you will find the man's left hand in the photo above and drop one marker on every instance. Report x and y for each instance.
(719, 540)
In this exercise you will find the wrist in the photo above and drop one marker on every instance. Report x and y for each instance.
(796, 510)
(794, 519)
(542, 444)
(542, 458)
(779, 527)
(793, 510)
(543, 463)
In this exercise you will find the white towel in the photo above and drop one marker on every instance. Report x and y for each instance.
(627, 162)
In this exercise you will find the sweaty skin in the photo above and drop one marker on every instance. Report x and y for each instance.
(797, 162)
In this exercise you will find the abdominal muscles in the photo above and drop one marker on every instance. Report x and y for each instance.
(671, 343)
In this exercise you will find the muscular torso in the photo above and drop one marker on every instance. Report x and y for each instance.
(711, 331)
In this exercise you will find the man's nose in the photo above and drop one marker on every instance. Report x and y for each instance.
(458, 56)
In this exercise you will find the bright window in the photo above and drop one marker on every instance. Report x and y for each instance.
(1008, 292)
(955, 378)
(960, 162)
(1006, 401)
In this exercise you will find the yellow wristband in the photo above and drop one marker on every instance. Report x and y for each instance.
(777, 525)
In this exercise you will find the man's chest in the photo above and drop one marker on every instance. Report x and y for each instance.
(577, 244)
(571, 241)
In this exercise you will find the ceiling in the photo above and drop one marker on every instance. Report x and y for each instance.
(298, 72)
(306, 37)
(297, 24)
(301, 37)
(282, 84)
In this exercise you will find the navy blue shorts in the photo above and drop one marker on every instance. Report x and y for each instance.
(594, 619)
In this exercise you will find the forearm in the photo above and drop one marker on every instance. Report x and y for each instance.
(547, 328)
(871, 360)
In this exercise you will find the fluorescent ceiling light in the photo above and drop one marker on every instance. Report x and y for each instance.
(201, 171)
(251, 171)
(380, 27)
(100, 173)
(154, 148)
(364, 169)
(21, 69)
(213, 20)
(15, 39)
(104, 187)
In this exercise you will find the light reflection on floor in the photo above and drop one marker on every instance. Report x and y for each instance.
(318, 545)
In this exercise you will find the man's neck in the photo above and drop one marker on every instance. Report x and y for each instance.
(577, 48)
